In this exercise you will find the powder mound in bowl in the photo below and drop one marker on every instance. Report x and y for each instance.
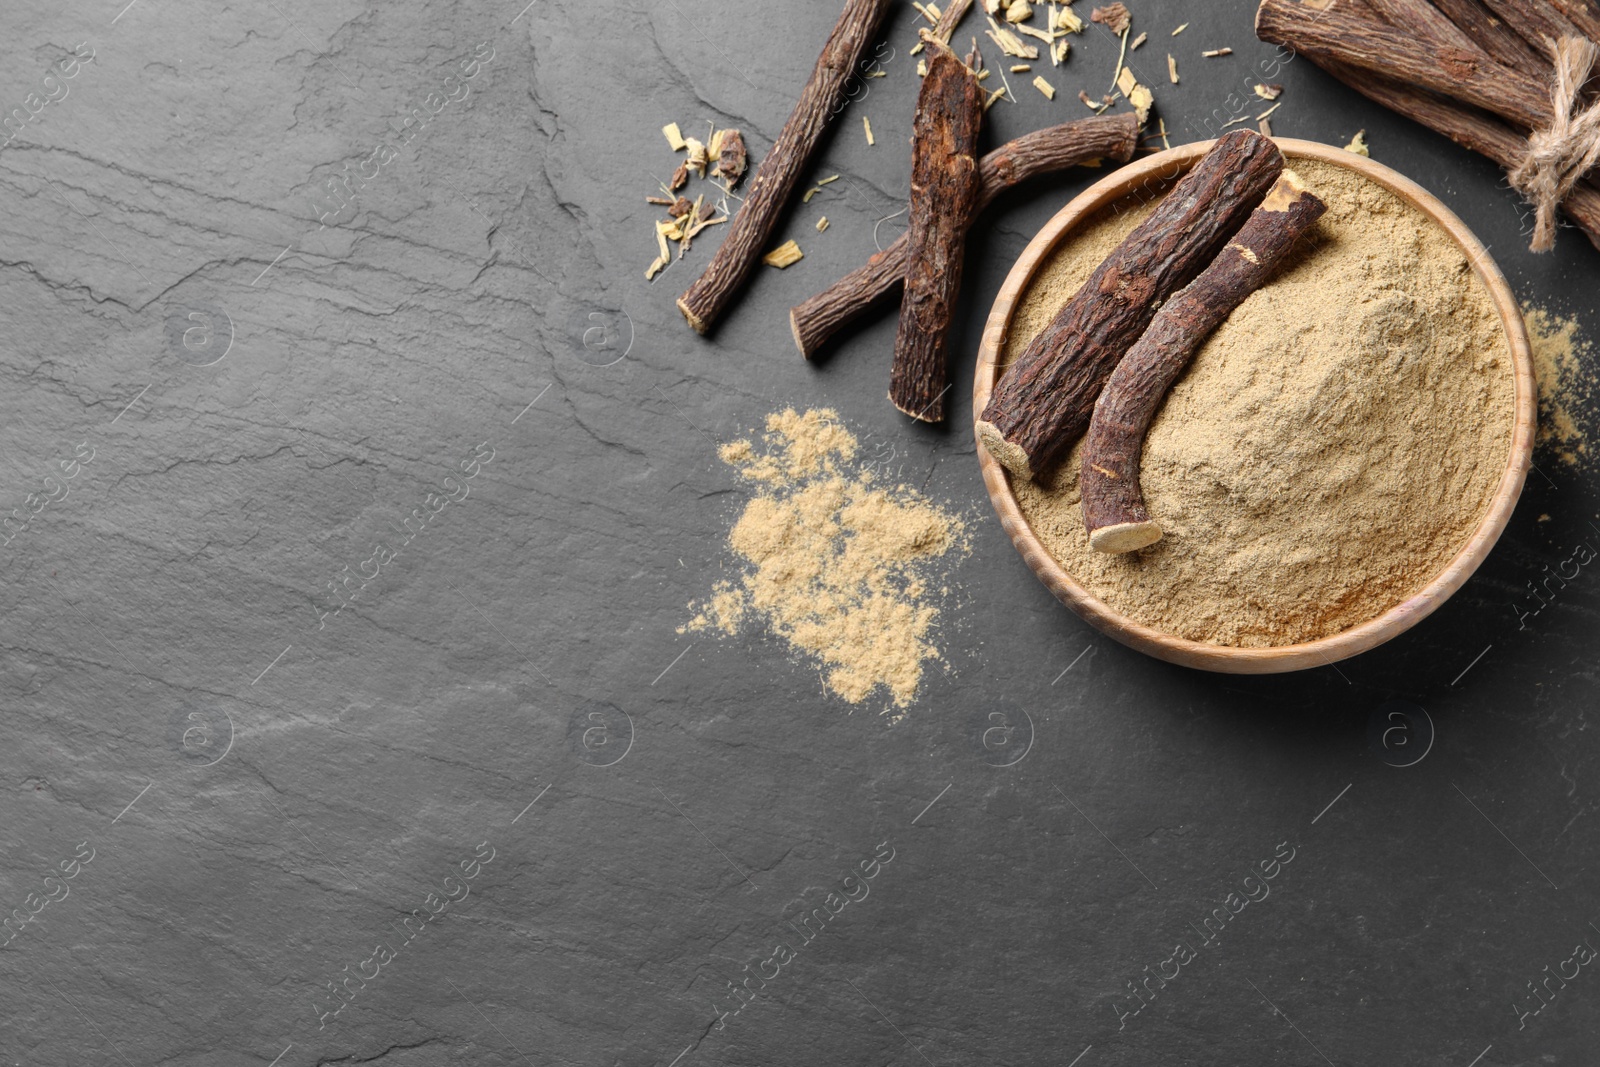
(1332, 446)
(842, 568)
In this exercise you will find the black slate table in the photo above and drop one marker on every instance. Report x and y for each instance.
(228, 809)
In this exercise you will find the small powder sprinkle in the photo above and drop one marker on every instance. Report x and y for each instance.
(1563, 362)
(840, 567)
(1332, 446)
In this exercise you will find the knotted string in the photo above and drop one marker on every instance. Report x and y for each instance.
(1561, 154)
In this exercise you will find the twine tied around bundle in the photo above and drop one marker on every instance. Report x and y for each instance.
(1561, 154)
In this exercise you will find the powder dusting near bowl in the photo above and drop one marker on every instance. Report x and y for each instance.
(1331, 448)
(1564, 360)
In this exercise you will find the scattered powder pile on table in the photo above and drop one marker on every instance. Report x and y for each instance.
(1331, 447)
(1564, 363)
(842, 568)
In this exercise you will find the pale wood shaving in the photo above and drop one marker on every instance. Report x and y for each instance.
(1142, 100)
(656, 266)
(1058, 52)
(1020, 68)
(1269, 110)
(1019, 11)
(822, 224)
(1122, 55)
(1172, 68)
(992, 97)
(1267, 92)
(1265, 126)
(1044, 87)
(703, 223)
(1010, 44)
(698, 157)
(784, 255)
(1213, 53)
(922, 68)
(1067, 21)
(1007, 83)
(1137, 41)
(1180, 29)
(1140, 97)
(1031, 32)
(867, 126)
(1358, 144)
(674, 136)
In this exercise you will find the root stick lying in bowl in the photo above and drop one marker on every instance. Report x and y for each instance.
(1044, 401)
(1113, 503)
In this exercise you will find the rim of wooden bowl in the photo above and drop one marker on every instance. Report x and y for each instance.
(1282, 658)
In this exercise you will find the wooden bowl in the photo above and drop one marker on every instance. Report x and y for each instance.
(1323, 651)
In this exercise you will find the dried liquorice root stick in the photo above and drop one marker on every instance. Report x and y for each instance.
(1584, 14)
(1566, 131)
(1113, 502)
(1471, 129)
(1535, 20)
(1344, 35)
(1043, 402)
(775, 178)
(953, 13)
(1491, 34)
(1041, 152)
(1422, 17)
(1471, 25)
(944, 191)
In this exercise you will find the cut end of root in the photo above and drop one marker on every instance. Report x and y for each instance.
(699, 324)
(1288, 189)
(1125, 537)
(794, 329)
(933, 412)
(1008, 455)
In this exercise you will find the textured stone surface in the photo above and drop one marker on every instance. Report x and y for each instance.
(267, 794)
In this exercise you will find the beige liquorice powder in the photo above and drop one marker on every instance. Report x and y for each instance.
(1563, 362)
(844, 569)
(1330, 448)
